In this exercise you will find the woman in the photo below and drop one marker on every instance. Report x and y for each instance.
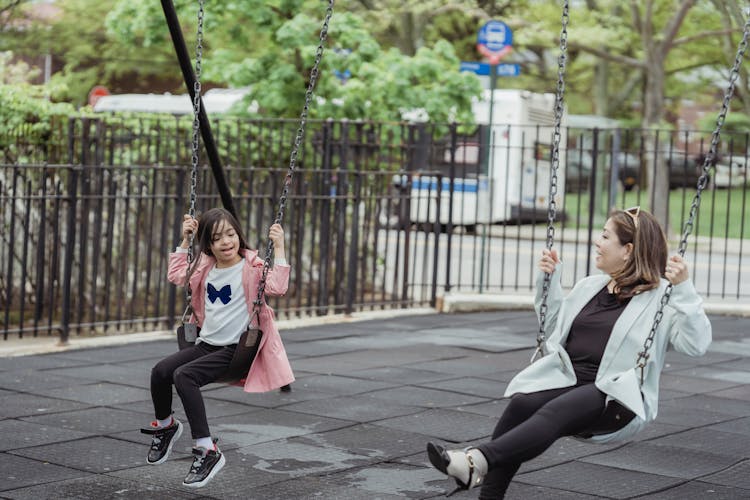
(594, 336)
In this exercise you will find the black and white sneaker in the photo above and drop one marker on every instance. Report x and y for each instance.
(162, 440)
(206, 463)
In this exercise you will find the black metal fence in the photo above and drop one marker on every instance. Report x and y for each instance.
(380, 215)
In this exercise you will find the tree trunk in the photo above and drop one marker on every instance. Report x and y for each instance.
(602, 98)
(657, 171)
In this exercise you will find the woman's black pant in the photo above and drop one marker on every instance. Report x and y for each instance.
(530, 424)
(189, 370)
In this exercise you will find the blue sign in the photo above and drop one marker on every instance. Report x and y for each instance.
(495, 37)
(483, 69)
(508, 69)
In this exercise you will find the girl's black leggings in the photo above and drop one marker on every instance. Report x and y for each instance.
(530, 424)
(189, 370)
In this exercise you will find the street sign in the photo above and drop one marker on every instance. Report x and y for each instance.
(481, 69)
(508, 69)
(495, 40)
(484, 69)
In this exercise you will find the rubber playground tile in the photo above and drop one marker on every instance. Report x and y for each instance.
(399, 374)
(564, 450)
(470, 366)
(717, 373)
(97, 421)
(99, 394)
(600, 480)
(369, 440)
(708, 440)
(19, 434)
(738, 426)
(737, 476)
(355, 408)
(96, 454)
(339, 385)
(399, 480)
(270, 425)
(318, 348)
(474, 386)
(122, 353)
(469, 340)
(520, 491)
(711, 403)
(32, 381)
(117, 374)
(447, 425)
(37, 363)
(19, 472)
(297, 459)
(97, 487)
(493, 408)
(23, 405)
(654, 459)
(710, 358)
(271, 399)
(669, 414)
(699, 490)
(425, 397)
(740, 392)
(693, 385)
(315, 487)
(657, 429)
(342, 363)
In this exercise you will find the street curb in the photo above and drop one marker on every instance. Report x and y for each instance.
(481, 302)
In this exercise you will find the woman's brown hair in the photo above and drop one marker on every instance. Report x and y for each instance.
(648, 259)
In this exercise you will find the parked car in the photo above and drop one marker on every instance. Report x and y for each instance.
(684, 170)
(730, 173)
(579, 165)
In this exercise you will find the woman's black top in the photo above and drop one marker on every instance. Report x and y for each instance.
(590, 333)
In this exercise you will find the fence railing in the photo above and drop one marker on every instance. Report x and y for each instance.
(380, 215)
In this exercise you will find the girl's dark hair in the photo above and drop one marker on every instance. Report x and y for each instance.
(209, 221)
(648, 259)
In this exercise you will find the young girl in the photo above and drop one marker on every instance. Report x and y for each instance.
(224, 283)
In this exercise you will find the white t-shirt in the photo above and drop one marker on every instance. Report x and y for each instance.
(226, 308)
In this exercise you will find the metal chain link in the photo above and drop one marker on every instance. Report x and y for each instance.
(293, 158)
(643, 355)
(195, 146)
(555, 164)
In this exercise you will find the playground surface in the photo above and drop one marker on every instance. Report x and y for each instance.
(369, 395)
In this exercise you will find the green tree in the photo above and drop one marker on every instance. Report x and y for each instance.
(78, 39)
(269, 47)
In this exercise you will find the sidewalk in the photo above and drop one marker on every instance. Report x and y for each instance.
(368, 397)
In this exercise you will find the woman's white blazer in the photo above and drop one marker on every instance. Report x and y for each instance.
(684, 325)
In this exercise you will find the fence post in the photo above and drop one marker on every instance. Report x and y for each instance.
(70, 234)
(593, 189)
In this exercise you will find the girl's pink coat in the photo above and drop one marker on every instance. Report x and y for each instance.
(270, 369)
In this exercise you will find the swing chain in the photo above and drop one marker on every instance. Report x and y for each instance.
(195, 142)
(293, 158)
(702, 182)
(554, 166)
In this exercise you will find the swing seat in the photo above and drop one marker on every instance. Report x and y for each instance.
(614, 417)
(244, 354)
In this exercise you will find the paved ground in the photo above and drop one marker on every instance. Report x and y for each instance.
(368, 396)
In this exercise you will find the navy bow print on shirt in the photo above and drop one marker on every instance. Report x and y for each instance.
(225, 294)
